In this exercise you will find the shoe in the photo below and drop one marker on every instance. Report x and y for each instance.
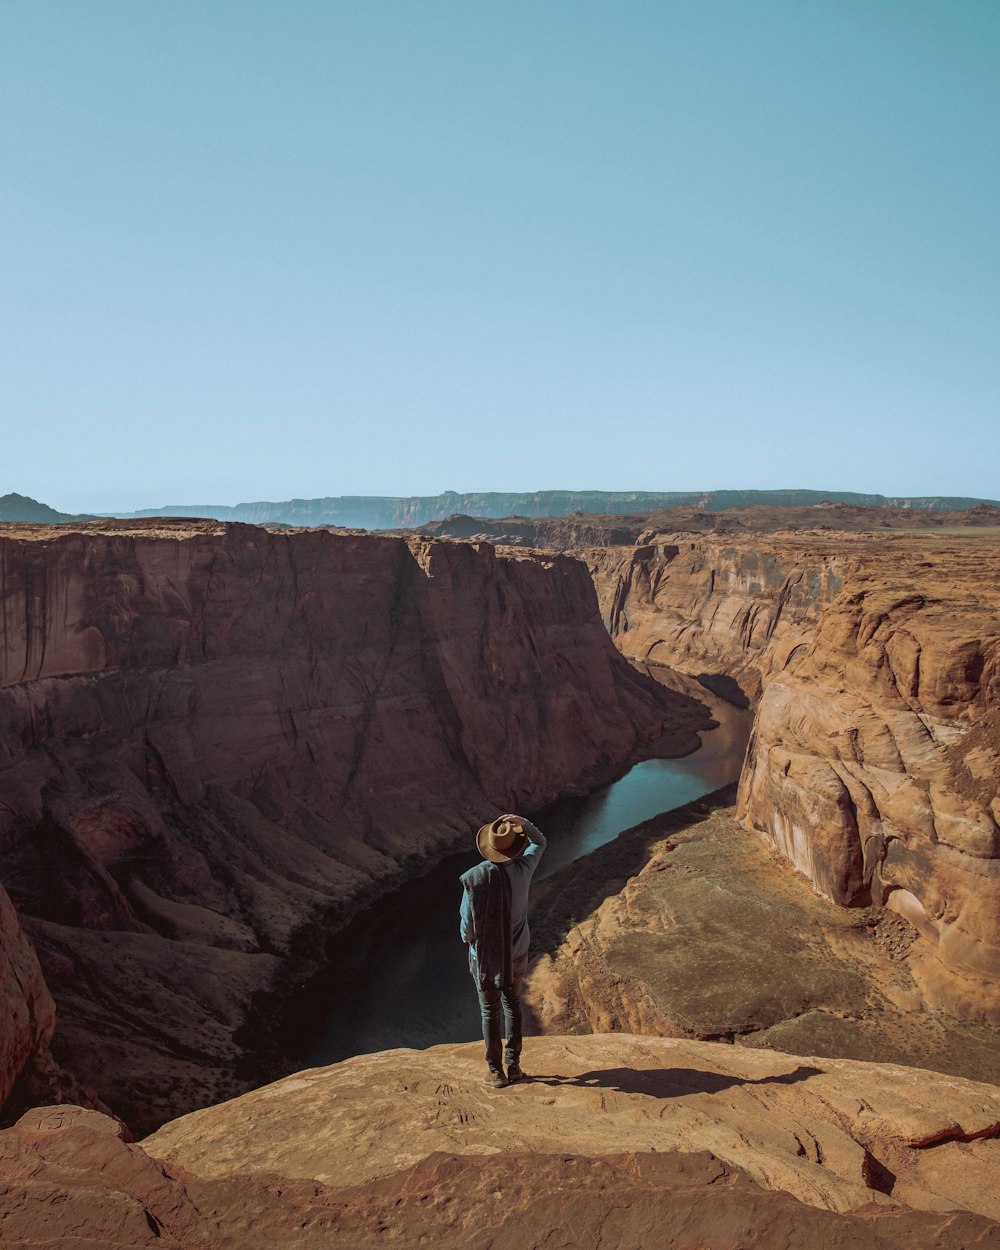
(514, 1073)
(496, 1079)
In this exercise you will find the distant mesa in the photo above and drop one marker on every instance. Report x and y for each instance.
(30, 511)
(377, 512)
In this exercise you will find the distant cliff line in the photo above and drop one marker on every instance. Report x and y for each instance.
(373, 512)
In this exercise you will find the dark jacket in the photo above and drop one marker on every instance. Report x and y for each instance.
(488, 889)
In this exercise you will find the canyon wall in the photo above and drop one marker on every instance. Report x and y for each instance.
(732, 605)
(872, 660)
(874, 762)
(215, 739)
(28, 1012)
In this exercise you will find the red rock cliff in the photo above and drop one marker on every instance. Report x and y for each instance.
(211, 736)
(729, 605)
(874, 661)
(874, 761)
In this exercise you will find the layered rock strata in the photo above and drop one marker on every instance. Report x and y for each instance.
(717, 606)
(214, 737)
(873, 661)
(874, 761)
(837, 1135)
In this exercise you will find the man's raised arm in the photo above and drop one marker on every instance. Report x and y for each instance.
(536, 839)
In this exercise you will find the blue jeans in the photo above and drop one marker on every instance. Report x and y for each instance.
(490, 1004)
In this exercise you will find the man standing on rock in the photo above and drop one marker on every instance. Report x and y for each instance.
(494, 926)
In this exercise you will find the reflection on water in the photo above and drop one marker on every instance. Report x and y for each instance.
(398, 976)
(575, 827)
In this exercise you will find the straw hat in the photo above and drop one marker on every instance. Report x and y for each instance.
(502, 839)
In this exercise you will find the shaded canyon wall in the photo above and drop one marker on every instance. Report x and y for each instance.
(28, 1012)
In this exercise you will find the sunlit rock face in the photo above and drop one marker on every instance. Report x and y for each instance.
(835, 1134)
(872, 658)
(723, 606)
(213, 737)
(874, 761)
(619, 1141)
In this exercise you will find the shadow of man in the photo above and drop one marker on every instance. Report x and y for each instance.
(672, 1082)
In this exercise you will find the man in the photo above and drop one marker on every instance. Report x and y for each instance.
(494, 925)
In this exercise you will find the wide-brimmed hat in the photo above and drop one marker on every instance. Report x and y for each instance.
(502, 839)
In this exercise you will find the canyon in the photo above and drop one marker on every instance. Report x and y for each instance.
(219, 741)
(690, 925)
(872, 662)
(867, 642)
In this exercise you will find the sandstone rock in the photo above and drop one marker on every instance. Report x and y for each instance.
(28, 1072)
(874, 760)
(73, 1180)
(215, 741)
(836, 1134)
(690, 925)
(874, 660)
(730, 605)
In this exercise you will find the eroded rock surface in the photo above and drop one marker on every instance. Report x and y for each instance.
(874, 761)
(26, 1007)
(873, 660)
(721, 606)
(690, 925)
(836, 1134)
(214, 737)
(69, 1178)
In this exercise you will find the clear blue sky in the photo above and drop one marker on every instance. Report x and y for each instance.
(300, 248)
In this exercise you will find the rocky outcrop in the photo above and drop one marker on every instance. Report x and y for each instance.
(691, 926)
(29, 1074)
(836, 1134)
(67, 1176)
(214, 739)
(874, 761)
(873, 660)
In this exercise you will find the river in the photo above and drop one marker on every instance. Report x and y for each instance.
(398, 974)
